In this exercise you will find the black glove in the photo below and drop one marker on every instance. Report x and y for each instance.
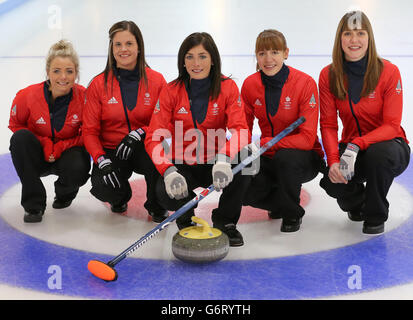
(110, 178)
(128, 144)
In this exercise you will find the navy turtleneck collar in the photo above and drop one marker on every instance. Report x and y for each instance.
(277, 80)
(198, 93)
(273, 87)
(355, 71)
(59, 101)
(129, 85)
(57, 107)
(128, 75)
(356, 68)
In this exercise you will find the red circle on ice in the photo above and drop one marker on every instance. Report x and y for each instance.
(136, 209)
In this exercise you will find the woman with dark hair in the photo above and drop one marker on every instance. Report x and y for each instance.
(365, 91)
(277, 95)
(195, 110)
(119, 105)
(46, 121)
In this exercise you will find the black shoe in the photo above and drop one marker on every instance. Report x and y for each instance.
(274, 215)
(159, 216)
(355, 215)
(290, 225)
(234, 236)
(60, 204)
(370, 228)
(119, 208)
(185, 220)
(32, 216)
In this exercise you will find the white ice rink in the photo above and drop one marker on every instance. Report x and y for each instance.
(30, 28)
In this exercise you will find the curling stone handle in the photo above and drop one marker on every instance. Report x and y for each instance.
(206, 229)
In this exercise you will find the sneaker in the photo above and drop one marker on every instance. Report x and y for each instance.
(159, 216)
(234, 236)
(119, 208)
(291, 225)
(373, 228)
(32, 216)
(355, 215)
(60, 204)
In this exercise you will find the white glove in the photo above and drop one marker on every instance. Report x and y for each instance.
(175, 184)
(348, 160)
(221, 172)
(254, 167)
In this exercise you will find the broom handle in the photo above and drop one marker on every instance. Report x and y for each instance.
(190, 204)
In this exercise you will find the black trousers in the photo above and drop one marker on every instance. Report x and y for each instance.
(230, 201)
(375, 169)
(139, 162)
(72, 169)
(277, 186)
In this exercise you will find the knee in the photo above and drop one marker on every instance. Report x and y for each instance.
(287, 162)
(379, 156)
(79, 162)
(22, 137)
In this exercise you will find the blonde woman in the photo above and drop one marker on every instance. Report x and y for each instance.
(365, 92)
(46, 122)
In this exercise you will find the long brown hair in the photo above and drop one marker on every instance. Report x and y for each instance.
(337, 77)
(111, 62)
(208, 43)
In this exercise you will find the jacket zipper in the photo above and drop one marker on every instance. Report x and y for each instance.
(354, 116)
(269, 120)
(198, 145)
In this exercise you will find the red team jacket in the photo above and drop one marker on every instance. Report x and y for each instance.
(174, 114)
(30, 111)
(299, 97)
(379, 114)
(105, 123)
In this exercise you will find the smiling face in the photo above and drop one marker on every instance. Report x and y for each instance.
(125, 50)
(62, 75)
(271, 61)
(198, 62)
(354, 44)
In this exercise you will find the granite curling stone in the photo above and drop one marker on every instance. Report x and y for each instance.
(200, 243)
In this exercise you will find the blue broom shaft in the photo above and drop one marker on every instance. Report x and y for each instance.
(190, 204)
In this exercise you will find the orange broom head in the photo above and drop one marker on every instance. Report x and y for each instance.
(102, 270)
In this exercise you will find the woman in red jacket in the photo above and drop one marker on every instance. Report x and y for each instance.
(277, 95)
(119, 105)
(46, 122)
(195, 110)
(365, 91)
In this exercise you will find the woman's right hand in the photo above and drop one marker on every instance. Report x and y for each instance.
(335, 175)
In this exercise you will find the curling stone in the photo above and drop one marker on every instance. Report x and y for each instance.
(200, 244)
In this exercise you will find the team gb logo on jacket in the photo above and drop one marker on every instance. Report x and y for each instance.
(312, 103)
(75, 119)
(399, 88)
